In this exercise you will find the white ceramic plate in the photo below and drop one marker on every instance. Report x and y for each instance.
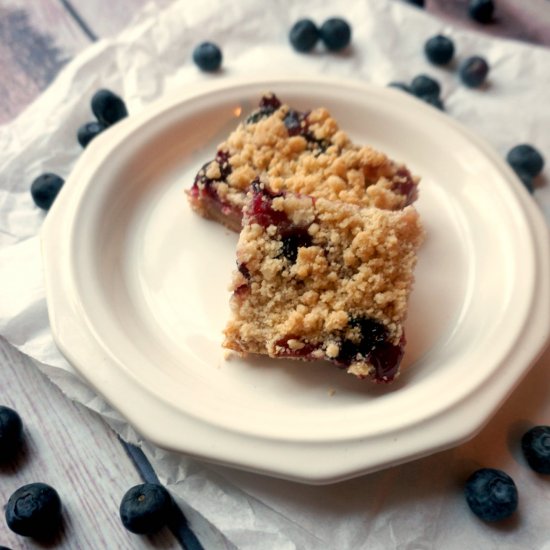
(137, 291)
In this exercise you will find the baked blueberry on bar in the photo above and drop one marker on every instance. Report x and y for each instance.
(322, 279)
(301, 152)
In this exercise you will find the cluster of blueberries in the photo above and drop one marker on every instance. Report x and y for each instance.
(440, 51)
(492, 494)
(526, 161)
(334, 33)
(35, 510)
(108, 109)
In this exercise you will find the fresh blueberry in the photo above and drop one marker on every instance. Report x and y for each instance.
(89, 131)
(371, 333)
(491, 494)
(423, 85)
(335, 33)
(526, 159)
(535, 445)
(292, 240)
(434, 101)
(243, 270)
(473, 71)
(481, 10)
(108, 108)
(146, 508)
(269, 103)
(439, 49)
(294, 123)
(34, 510)
(222, 158)
(400, 86)
(257, 116)
(419, 3)
(45, 188)
(207, 56)
(11, 433)
(304, 34)
(373, 346)
(4, 548)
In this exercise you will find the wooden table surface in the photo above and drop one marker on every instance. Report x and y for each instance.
(68, 446)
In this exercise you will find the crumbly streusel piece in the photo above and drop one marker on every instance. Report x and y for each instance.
(321, 279)
(301, 152)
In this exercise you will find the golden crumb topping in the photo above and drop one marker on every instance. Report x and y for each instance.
(309, 155)
(336, 169)
(349, 263)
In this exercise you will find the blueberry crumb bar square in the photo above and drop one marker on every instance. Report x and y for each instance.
(302, 152)
(323, 279)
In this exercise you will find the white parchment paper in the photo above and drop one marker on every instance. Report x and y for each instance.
(415, 506)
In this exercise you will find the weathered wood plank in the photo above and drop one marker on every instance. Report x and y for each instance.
(73, 450)
(48, 17)
(36, 40)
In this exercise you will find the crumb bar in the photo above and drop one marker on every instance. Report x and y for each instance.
(300, 152)
(322, 279)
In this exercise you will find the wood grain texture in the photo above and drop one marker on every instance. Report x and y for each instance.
(36, 39)
(51, 18)
(74, 451)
